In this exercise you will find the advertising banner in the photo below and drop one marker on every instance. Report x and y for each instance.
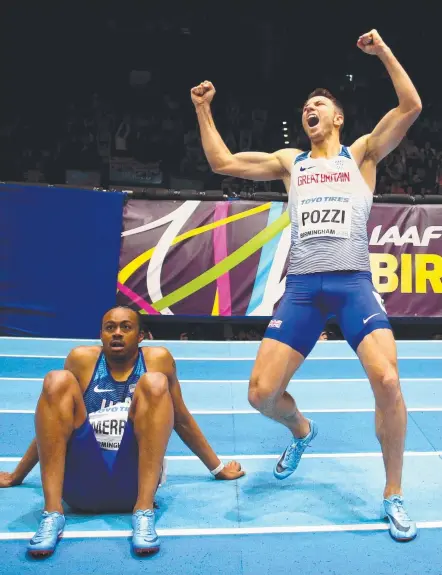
(230, 258)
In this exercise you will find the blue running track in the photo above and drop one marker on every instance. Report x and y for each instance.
(322, 521)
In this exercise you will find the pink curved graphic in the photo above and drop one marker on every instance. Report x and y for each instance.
(137, 299)
(220, 253)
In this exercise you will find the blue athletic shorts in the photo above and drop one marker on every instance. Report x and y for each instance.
(99, 480)
(311, 299)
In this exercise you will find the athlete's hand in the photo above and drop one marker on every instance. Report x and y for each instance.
(371, 43)
(231, 471)
(8, 479)
(202, 94)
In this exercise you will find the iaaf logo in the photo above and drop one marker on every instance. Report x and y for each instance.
(410, 236)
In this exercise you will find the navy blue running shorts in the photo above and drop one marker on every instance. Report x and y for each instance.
(311, 299)
(98, 480)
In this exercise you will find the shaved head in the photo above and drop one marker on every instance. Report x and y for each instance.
(131, 314)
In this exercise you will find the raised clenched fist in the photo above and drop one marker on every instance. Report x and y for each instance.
(371, 43)
(202, 94)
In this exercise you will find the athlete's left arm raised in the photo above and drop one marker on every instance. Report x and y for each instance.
(389, 132)
(184, 422)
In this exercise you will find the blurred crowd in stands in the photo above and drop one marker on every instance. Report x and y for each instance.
(137, 127)
(158, 144)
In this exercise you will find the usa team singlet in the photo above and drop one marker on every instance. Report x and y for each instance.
(101, 468)
(108, 401)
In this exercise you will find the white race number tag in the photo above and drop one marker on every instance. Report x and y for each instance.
(108, 424)
(324, 215)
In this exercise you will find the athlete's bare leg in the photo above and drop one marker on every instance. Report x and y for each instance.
(60, 410)
(378, 355)
(274, 367)
(152, 414)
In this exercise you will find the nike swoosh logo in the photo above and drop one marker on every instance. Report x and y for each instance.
(303, 169)
(398, 526)
(279, 466)
(369, 317)
(97, 390)
(33, 542)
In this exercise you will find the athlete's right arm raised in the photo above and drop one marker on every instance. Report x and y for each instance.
(247, 165)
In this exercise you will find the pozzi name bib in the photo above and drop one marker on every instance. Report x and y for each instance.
(324, 214)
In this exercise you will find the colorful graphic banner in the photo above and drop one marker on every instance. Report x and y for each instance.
(230, 258)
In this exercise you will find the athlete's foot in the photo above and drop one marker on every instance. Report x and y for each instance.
(289, 460)
(144, 538)
(46, 538)
(402, 528)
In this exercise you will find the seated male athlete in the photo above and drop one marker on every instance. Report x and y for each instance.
(330, 196)
(102, 428)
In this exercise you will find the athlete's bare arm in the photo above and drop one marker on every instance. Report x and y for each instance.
(248, 165)
(370, 149)
(24, 467)
(160, 359)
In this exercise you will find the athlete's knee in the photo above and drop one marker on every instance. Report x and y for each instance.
(153, 384)
(387, 388)
(261, 395)
(58, 382)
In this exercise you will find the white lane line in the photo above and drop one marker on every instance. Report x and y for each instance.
(304, 410)
(266, 456)
(197, 532)
(154, 342)
(201, 358)
(297, 380)
(294, 380)
(27, 356)
(254, 412)
(48, 339)
(21, 379)
(417, 342)
(17, 411)
(375, 454)
(184, 342)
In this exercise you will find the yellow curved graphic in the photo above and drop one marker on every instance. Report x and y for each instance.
(225, 265)
(130, 268)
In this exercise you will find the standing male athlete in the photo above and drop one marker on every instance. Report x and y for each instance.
(330, 197)
(102, 428)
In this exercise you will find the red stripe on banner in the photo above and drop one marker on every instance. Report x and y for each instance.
(137, 299)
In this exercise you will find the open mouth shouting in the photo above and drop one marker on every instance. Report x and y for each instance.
(312, 119)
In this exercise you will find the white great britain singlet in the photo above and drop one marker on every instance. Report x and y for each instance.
(329, 205)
